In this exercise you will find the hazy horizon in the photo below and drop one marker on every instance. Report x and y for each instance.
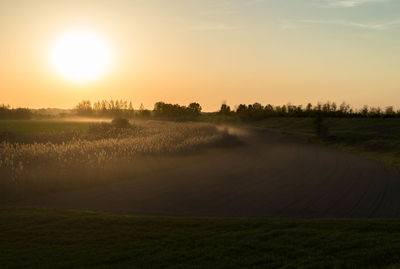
(267, 51)
(232, 106)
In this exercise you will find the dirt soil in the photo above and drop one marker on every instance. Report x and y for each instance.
(267, 176)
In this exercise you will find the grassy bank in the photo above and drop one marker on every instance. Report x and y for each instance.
(49, 238)
(378, 138)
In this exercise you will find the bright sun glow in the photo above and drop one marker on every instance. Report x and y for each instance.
(81, 56)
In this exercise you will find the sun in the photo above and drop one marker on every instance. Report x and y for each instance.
(81, 56)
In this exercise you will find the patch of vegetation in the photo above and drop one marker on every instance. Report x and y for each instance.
(52, 238)
(375, 137)
(45, 162)
(120, 122)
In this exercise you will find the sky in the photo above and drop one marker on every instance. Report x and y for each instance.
(209, 51)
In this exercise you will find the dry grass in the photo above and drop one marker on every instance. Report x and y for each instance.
(102, 148)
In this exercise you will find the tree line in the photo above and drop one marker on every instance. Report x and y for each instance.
(329, 109)
(120, 108)
(6, 112)
(104, 108)
(256, 111)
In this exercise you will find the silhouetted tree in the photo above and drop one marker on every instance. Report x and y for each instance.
(143, 112)
(6, 112)
(194, 109)
(225, 110)
(84, 108)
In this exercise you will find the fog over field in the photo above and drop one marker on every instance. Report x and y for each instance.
(194, 169)
(199, 134)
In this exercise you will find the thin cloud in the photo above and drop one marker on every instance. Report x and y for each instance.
(352, 3)
(370, 26)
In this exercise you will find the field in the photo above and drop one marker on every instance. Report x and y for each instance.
(194, 195)
(200, 134)
(60, 155)
(37, 127)
(375, 137)
(196, 169)
(265, 175)
(49, 238)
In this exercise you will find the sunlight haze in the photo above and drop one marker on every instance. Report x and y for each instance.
(267, 51)
(81, 56)
(199, 134)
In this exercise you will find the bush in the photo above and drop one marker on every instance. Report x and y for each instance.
(321, 129)
(121, 123)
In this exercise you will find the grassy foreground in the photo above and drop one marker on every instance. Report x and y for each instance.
(52, 238)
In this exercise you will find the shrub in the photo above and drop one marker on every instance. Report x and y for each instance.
(321, 129)
(121, 123)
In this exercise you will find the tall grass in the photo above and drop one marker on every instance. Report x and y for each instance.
(104, 147)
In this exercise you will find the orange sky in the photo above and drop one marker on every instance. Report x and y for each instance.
(207, 51)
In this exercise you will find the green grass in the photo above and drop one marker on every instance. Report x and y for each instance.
(50, 238)
(288, 124)
(378, 138)
(34, 127)
(382, 127)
